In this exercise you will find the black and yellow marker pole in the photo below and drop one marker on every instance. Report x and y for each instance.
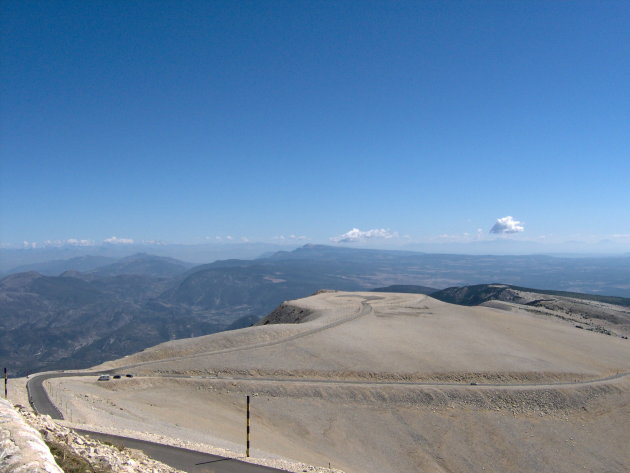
(5, 384)
(247, 441)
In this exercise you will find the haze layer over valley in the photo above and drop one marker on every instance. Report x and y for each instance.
(376, 382)
(99, 309)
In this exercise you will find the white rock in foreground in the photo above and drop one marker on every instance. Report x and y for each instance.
(22, 448)
(108, 457)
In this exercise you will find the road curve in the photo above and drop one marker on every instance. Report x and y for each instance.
(38, 396)
(183, 459)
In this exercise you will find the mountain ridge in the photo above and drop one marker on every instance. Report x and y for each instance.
(105, 314)
(604, 314)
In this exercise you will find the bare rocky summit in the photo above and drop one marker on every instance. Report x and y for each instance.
(374, 382)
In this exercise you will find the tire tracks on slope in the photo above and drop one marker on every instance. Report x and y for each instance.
(365, 309)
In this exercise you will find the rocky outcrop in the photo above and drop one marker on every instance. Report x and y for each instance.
(22, 449)
(286, 313)
(101, 456)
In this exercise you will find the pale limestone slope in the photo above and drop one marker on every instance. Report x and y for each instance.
(385, 336)
(336, 388)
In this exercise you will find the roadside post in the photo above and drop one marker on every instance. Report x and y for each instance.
(247, 442)
(5, 384)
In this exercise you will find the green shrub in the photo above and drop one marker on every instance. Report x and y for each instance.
(70, 462)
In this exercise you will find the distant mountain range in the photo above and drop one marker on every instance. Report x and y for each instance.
(81, 311)
(16, 260)
(145, 265)
(56, 267)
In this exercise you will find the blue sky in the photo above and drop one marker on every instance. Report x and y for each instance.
(184, 121)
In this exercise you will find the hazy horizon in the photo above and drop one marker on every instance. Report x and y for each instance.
(202, 253)
(454, 127)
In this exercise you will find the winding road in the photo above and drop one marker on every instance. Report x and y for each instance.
(183, 459)
(199, 462)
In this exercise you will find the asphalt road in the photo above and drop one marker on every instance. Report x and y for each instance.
(183, 459)
(180, 458)
(38, 397)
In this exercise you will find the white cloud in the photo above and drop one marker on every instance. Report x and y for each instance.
(76, 242)
(291, 237)
(356, 235)
(58, 243)
(230, 238)
(85, 242)
(447, 237)
(118, 241)
(153, 242)
(507, 225)
(465, 237)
